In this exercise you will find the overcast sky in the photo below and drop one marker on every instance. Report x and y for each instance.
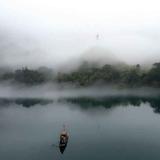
(50, 32)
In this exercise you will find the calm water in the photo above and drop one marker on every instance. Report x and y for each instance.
(113, 128)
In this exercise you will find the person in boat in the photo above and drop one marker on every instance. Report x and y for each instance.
(63, 138)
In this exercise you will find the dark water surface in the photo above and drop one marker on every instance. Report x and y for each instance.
(113, 128)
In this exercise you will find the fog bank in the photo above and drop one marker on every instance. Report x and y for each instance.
(53, 91)
(55, 33)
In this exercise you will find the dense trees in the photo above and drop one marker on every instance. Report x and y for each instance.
(87, 75)
(131, 76)
(28, 76)
(153, 76)
(25, 76)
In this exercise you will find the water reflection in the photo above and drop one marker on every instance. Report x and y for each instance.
(88, 102)
(109, 102)
(25, 102)
(28, 132)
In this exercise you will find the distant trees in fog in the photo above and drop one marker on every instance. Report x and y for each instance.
(131, 76)
(87, 75)
(28, 76)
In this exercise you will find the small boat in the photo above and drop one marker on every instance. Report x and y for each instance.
(63, 141)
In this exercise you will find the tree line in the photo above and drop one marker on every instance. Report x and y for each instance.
(87, 75)
(130, 76)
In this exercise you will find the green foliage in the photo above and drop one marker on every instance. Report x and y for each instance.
(132, 76)
(29, 77)
(153, 76)
(7, 76)
(87, 75)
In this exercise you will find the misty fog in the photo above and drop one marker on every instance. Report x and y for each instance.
(55, 92)
(90, 68)
(62, 35)
(59, 33)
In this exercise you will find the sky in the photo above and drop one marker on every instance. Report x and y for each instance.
(53, 32)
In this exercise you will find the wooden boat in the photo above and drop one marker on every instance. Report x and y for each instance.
(63, 141)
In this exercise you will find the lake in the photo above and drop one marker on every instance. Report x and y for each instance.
(112, 127)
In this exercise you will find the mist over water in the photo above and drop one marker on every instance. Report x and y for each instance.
(83, 64)
(56, 91)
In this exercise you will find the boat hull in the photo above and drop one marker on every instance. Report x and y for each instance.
(62, 147)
